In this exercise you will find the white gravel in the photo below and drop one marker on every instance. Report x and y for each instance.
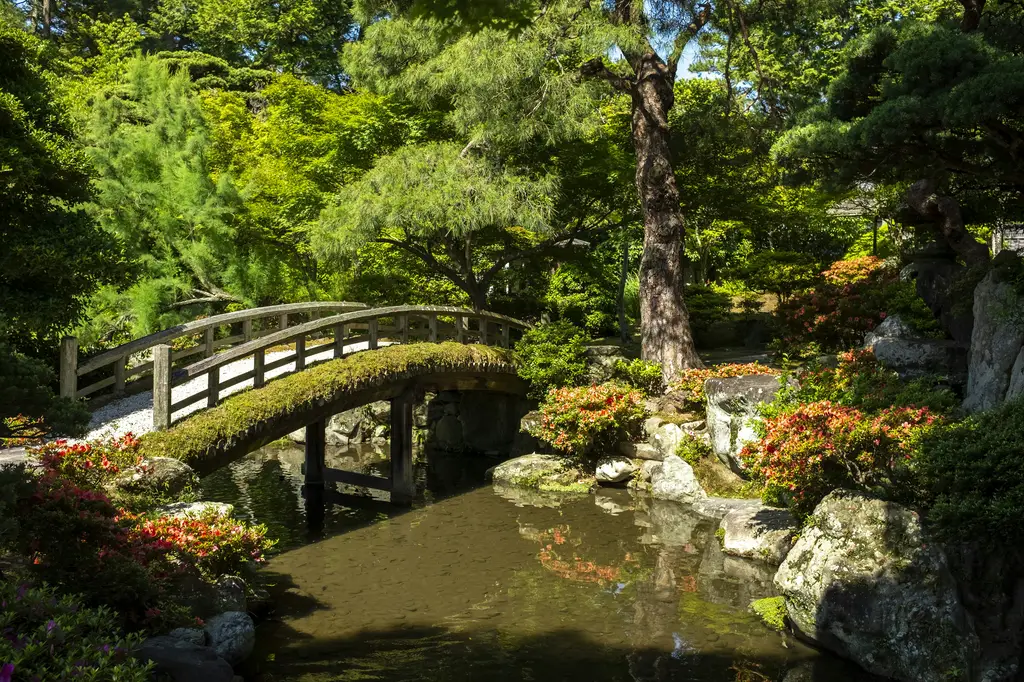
(134, 414)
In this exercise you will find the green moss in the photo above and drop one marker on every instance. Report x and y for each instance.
(720, 535)
(771, 611)
(195, 438)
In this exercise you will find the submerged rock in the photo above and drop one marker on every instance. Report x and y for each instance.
(232, 635)
(674, 480)
(230, 592)
(732, 410)
(184, 661)
(764, 533)
(864, 583)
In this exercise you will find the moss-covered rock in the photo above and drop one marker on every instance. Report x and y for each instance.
(771, 611)
(547, 473)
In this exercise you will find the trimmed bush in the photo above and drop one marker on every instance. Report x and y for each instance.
(819, 447)
(551, 356)
(193, 440)
(591, 420)
(642, 375)
(972, 473)
(46, 636)
(692, 380)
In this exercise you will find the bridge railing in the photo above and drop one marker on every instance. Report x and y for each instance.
(125, 369)
(319, 340)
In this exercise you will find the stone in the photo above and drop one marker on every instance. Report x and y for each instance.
(718, 507)
(344, 427)
(542, 472)
(614, 470)
(863, 582)
(670, 524)
(230, 591)
(448, 434)
(195, 636)
(1016, 387)
(666, 438)
(651, 425)
(732, 412)
(911, 358)
(183, 509)
(490, 421)
(601, 362)
(763, 533)
(892, 327)
(996, 343)
(671, 403)
(640, 451)
(232, 635)
(164, 475)
(531, 497)
(674, 480)
(613, 506)
(184, 661)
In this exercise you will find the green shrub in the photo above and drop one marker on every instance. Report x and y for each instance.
(706, 306)
(551, 356)
(28, 406)
(591, 420)
(643, 375)
(819, 447)
(972, 475)
(692, 450)
(56, 638)
(780, 272)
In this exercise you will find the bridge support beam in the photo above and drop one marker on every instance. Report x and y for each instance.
(316, 454)
(403, 486)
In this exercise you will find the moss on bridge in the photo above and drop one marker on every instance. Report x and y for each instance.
(207, 434)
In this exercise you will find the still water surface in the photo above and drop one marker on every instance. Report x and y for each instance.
(478, 584)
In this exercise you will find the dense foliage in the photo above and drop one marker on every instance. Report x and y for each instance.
(640, 374)
(590, 420)
(550, 356)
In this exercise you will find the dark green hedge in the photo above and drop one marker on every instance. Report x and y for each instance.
(195, 436)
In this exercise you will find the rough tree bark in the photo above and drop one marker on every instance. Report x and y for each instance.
(665, 322)
(945, 212)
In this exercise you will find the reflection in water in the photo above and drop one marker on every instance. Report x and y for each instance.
(474, 585)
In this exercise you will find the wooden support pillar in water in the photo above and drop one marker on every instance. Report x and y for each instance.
(403, 487)
(316, 452)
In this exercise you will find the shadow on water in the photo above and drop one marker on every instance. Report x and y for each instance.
(473, 583)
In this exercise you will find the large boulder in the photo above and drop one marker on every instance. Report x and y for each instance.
(865, 583)
(184, 661)
(665, 436)
(732, 411)
(674, 480)
(997, 342)
(763, 533)
(615, 470)
(547, 473)
(232, 635)
(892, 327)
(157, 475)
(911, 358)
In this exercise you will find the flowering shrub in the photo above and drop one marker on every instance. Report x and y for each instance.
(44, 636)
(88, 464)
(590, 419)
(821, 446)
(640, 374)
(853, 297)
(692, 380)
(858, 380)
(211, 544)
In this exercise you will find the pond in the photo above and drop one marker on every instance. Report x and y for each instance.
(476, 584)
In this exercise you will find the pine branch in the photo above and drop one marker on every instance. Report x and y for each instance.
(596, 68)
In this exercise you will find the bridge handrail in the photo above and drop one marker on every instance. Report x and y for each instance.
(163, 381)
(70, 369)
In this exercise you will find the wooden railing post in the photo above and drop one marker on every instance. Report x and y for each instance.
(300, 353)
(258, 376)
(119, 372)
(483, 331)
(460, 329)
(282, 322)
(247, 329)
(506, 335)
(371, 330)
(213, 387)
(208, 342)
(403, 486)
(339, 340)
(432, 324)
(161, 387)
(403, 327)
(69, 367)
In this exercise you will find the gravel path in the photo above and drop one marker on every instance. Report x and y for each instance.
(134, 413)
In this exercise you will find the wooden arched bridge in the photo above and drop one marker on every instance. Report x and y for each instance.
(341, 356)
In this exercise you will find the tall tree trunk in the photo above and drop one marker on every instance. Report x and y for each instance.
(665, 322)
(624, 333)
